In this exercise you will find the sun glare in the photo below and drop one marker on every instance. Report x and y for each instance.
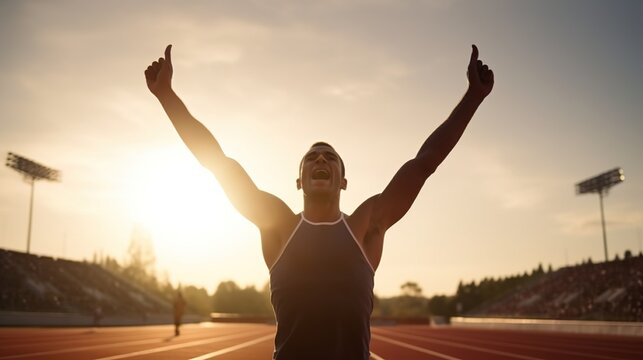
(179, 200)
(197, 235)
(175, 199)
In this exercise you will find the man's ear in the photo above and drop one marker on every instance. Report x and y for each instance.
(298, 184)
(344, 184)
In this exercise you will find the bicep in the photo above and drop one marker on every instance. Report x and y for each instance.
(398, 196)
(259, 207)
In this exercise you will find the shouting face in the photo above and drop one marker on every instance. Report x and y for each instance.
(321, 172)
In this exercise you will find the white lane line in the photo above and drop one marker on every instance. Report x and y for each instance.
(82, 348)
(46, 342)
(374, 356)
(233, 348)
(177, 346)
(413, 347)
(463, 346)
(533, 347)
(68, 349)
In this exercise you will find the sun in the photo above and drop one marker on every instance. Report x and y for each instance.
(179, 199)
(198, 237)
(174, 198)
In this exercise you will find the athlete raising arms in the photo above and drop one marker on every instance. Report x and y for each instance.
(321, 261)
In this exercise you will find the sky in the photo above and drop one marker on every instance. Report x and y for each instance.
(372, 78)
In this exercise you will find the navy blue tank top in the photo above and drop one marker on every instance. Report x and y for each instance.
(322, 294)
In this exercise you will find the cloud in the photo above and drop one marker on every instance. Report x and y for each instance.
(221, 42)
(350, 90)
(378, 77)
(508, 184)
(575, 223)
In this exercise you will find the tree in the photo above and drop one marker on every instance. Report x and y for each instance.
(197, 299)
(230, 298)
(441, 305)
(410, 288)
(539, 270)
(410, 304)
(225, 297)
(141, 260)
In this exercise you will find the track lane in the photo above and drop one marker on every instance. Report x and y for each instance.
(396, 349)
(256, 341)
(454, 349)
(95, 336)
(187, 349)
(262, 350)
(131, 339)
(582, 347)
(221, 352)
(565, 338)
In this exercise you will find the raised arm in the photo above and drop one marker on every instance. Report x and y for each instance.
(389, 207)
(263, 209)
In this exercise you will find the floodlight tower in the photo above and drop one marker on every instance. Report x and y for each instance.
(31, 171)
(601, 184)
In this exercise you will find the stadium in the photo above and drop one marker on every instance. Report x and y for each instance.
(487, 156)
(544, 315)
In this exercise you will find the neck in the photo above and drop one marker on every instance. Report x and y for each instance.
(321, 210)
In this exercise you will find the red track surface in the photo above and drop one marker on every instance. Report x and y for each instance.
(252, 341)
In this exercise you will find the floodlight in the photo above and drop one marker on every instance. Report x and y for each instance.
(601, 184)
(32, 171)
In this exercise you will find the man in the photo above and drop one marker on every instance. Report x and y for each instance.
(321, 261)
(98, 314)
(179, 308)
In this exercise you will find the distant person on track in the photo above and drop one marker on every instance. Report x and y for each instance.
(179, 309)
(97, 315)
(321, 261)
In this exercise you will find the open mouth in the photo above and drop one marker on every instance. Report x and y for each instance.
(321, 174)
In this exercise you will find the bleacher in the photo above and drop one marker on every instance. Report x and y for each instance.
(611, 291)
(34, 283)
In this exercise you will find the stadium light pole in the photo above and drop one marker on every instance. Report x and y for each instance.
(601, 184)
(31, 171)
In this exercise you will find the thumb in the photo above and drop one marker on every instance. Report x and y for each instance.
(474, 55)
(168, 54)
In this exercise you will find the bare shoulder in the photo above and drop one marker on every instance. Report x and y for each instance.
(283, 228)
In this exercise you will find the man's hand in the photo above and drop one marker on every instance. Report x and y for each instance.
(479, 75)
(159, 75)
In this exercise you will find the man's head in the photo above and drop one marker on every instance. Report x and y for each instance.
(321, 170)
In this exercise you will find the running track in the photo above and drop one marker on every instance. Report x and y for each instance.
(255, 341)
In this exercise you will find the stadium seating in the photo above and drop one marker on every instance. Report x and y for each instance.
(603, 291)
(44, 284)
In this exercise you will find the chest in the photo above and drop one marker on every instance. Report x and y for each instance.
(329, 249)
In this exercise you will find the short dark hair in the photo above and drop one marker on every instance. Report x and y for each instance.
(322, 143)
